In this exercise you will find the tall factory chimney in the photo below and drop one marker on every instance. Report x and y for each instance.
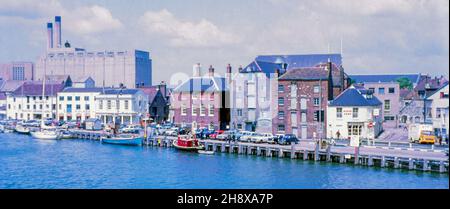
(49, 35)
(57, 37)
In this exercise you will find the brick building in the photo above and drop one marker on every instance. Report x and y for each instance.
(303, 94)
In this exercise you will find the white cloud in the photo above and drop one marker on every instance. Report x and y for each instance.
(83, 20)
(184, 33)
(91, 20)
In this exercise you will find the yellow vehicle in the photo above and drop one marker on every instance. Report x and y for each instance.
(427, 137)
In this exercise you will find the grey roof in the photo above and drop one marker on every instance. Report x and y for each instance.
(414, 78)
(121, 91)
(437, 90)
(303, 60)
(203, 84)
(81, 90)
(307, 73)
(34, 88)
(355, 96)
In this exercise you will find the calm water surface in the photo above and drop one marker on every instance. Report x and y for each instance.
(32, 163)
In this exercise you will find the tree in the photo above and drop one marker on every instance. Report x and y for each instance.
(405, 83)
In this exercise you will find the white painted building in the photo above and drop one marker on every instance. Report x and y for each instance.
(77, 103)
(27, 102)
(354, 113)
(127, 105)
(439, 102)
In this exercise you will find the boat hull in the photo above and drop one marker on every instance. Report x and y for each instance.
(174, 143)
(137, 141)
(46, 136)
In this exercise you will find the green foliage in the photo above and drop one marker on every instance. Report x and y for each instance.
(405, 83)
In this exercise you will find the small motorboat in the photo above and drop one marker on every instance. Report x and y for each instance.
(22, 129)
(45, 134)
(205, 152)
(65, 135)
(185, 142)
(124, 139)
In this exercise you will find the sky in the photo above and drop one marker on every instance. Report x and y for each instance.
(383, 36)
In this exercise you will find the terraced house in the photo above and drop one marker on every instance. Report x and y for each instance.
(255, 89)
(203, 99)
(27, 102)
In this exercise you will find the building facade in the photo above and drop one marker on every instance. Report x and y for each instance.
(132, 68)
(389, 94)
(439, 105)
(128, 106)
(158, 105)
(27, 102)
(77, 103)
(255, 88)
(252, 90)
(354, 113)
(17, 71)
(203, 99)
(303, 94)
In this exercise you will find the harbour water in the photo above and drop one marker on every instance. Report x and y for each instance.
(72, 163)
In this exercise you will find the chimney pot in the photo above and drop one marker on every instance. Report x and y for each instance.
(211, 71)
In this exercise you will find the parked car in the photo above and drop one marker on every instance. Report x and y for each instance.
(247, 136)
(288, 139)
(171, 132)
(215, 134)
(261, 138)
(226, 134)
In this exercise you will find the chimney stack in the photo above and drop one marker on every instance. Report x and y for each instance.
(57, 37)
(211, 71)
(49, 35)
(196, 70)
(330, 81)
(228, 74)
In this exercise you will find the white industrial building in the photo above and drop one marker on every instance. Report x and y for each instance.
(132, 68)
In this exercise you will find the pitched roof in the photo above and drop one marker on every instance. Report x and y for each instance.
(428, 83)
(121, 91)
(263, 67)
(307, 73)
(313, 73)
(355, 96)
(374, 78)
(10, 86)
(437, 90)
(303, 60)
(203, 84)
(57, 78)
(34, 88)
(79, 90)
(151, 92)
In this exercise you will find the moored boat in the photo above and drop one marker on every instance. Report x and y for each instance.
(22, 129)
(205, 152)
(123, 139)
(45, 134)
(185, 142)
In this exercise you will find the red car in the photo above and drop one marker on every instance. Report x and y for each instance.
(214, 135)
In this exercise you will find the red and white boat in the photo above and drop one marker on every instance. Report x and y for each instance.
(185, 142)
